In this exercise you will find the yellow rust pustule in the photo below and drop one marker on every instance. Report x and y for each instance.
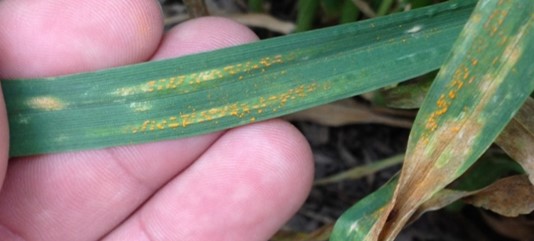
(461, 77)
(185, 83)
(46, 103)
(242, 110)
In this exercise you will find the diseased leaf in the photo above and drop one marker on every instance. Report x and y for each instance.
(483, 83)
(438, 201)
(357, 222)
(212, 91)
(517, 139)
(478, 90)
(511, 196)
(486, 171)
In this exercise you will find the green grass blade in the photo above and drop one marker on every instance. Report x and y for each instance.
(384, 7)
(255, 6)
(306, 14)
(212, 91)
(349, 12)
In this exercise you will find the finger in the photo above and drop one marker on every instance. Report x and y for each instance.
(84, 194)
(54, 37)
(40, 197)
(246, 186)
(201, 35)
(44, 38)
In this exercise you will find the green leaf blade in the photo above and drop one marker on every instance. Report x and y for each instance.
(357, 222)
(212, 91)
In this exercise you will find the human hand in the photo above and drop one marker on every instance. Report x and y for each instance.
(242, 184)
